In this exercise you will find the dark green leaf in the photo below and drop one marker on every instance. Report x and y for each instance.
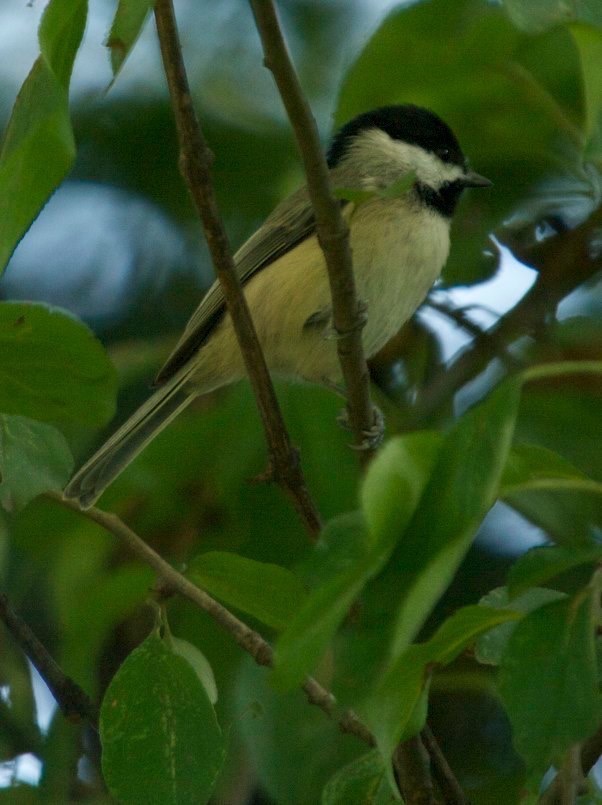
(462, 488)
(361, 781)
(397, 709)
(160, 738)
(531, 466)
(589, 45)
(490, 646)
(34, 458)
(129, 19)
(548, 679)
(539, 565)
(270, 593)
(39, 131)
(52, 367)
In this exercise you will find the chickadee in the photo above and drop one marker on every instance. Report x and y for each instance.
(399, 244)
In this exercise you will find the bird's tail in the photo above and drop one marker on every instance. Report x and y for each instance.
(124, 445)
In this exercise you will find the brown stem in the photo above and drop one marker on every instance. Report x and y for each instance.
(411, 763)
(333, 233)
(446, 779)
(195, 165)
(248, 639)
(73, 701)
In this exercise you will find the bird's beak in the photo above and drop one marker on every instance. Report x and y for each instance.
(472, 179)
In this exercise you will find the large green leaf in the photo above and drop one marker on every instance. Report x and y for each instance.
(549, 679)
(128, 22)
(537, 15)
(270, 593)
(34, 458)
(462, 488)
(52, 367)
(160, 738)
(38, 147)
(361, 781)
(589, 45)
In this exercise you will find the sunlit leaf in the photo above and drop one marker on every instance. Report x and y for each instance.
(160, 738)
(128, 22)
(39, 131)
(52, 367)
(34, 458)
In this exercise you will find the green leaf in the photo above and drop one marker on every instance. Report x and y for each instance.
(270, 593)
(39, 131)
(397, 708)
(535, 16)
(199, 663)
(361, 781)
(60, 34)
(548, 679)
(462, 488)
(305, 639)
(539, 565)
(52, 367)
(589, 45)
(128, 22)
(34, 458)
(490, 646)
(160, 738)
(530, 466)
(395, 482)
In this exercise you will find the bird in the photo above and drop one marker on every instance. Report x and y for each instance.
(399, 241)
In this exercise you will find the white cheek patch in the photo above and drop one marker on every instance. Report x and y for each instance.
(376, 147)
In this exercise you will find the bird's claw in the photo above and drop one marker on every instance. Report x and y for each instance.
(373, 436)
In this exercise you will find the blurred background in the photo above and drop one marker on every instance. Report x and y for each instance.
(119, 245)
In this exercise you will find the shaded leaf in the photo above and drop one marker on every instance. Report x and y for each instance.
(549, 681)
(539, 565)
(361, 781)
(589, 45)
(160, 738)
(490, 646)
(34, 458)
(52, 367)
(270, 593)
(538, 15)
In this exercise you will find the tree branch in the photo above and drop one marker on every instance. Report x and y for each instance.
(195, 165)
(333, 233)
(446, 779)
(563, 262)
(248, 639)
(75, 704)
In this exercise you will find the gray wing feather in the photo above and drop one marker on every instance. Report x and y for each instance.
(290, 222)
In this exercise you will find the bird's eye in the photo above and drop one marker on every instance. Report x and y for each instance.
(443, 153)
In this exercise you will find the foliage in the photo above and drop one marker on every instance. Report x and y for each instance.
(406, 598)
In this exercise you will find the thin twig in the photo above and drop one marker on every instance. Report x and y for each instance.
(591, 750)
(333, 233)
(446, 779)
(564, 262)
(73, 701)
(411, 762)
(195, 165)
(248, 639)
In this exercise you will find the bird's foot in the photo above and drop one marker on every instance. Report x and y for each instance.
(373, 436)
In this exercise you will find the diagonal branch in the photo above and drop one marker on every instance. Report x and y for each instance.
(348, 314)
(195, 165)
(75, 704)
(248, 639)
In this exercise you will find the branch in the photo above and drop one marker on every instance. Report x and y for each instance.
(347, 310)
(411, 762)
(195, 165)
(564, 262)
(248, 639)
(591, 750)
(75, 704)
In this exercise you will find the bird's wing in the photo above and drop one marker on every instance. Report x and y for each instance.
(291, 222)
